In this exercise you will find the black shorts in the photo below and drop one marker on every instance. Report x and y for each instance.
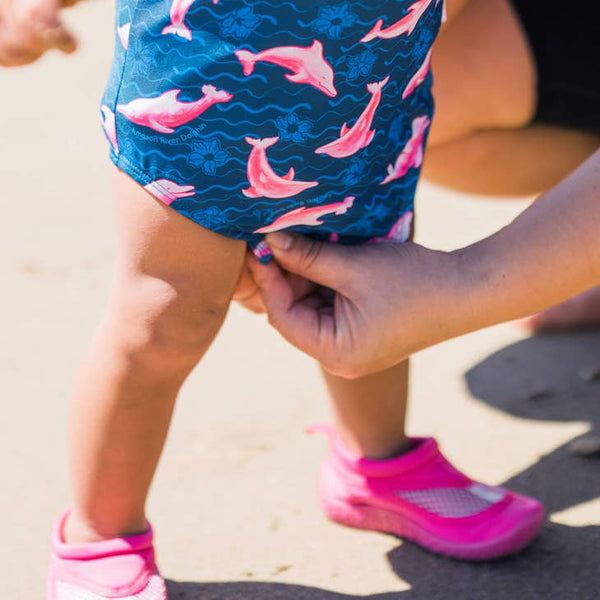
(565, 40)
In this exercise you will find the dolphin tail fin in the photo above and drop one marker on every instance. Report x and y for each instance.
(377, 85)
(178, 29)
(123, 33)
(264, 143)
(374, 32)
(217, 95)
(247, 59)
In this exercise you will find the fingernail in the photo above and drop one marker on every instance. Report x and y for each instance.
(281, 241)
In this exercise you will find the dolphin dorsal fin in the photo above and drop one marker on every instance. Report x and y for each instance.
(169, 97)
(289, 176)
(345, 129)
(317, 48)
(171, 93)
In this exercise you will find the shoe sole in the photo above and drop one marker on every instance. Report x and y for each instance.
(360, 516)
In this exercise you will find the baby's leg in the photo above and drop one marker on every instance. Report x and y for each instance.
(172, 287)
(369, 412)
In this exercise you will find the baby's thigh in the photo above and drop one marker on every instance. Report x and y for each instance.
(171, 273)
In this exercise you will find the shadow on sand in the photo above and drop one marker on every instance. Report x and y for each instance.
(544, 378)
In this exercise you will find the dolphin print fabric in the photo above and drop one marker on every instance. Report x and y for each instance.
(253, 116)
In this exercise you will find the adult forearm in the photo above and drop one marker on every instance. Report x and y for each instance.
(550, 253)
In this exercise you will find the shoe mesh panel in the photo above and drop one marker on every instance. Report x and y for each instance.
(155, 590)
(454, 502)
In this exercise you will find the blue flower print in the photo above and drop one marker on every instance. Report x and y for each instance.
(355, 171)
(209, 217)
(332, 20)
(361, 64)
(379, 212)
(142, 57)
(397, 130)
(423, 44)
(264, 216)
(208, 155)
(129, 148)
(292, 128)
(240, 23)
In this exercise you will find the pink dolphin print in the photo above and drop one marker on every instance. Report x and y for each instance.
(165, 112)
(110, 127)
(168, 191)
(444, 10)
(418, 78)
(412, 154)
(179, 9)
(308, 65)
(360, 135)
(405, 25)
(308, 216)
(123, 33)
(263, 180)
(400, 231)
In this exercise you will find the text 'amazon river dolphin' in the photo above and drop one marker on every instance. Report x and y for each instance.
(165, 112)
(308, 216)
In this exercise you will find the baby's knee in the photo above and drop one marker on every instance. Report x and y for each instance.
(164, 324)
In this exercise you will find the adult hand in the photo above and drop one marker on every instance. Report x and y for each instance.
(248, 294)
(28, 28)
(389, 301)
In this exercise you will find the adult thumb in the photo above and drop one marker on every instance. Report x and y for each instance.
(324, 263)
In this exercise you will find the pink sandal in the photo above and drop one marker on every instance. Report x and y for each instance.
(420, 496)
(120, 568)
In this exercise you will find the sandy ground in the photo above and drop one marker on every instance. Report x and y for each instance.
(234, 500)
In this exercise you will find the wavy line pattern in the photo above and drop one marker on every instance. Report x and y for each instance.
(210, 150)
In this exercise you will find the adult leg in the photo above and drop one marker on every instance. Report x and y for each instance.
(172, 286)
(509, 162)
(481, 141)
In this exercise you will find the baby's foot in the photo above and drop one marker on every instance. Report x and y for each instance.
(420, 496)
(116, 569)
(580, 312)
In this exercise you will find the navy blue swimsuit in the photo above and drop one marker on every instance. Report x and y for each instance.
(255, 116)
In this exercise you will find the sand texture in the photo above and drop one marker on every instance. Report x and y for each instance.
(234, 502)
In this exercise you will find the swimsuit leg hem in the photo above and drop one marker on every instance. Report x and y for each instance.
(143, 179)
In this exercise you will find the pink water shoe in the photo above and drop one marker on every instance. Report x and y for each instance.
(120, 568)
(420, 496)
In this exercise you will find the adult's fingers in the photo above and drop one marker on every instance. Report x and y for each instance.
(324, 263)
(58, 37)
(11, 56)
(247, 293)
(31, 27)
(306, 324)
